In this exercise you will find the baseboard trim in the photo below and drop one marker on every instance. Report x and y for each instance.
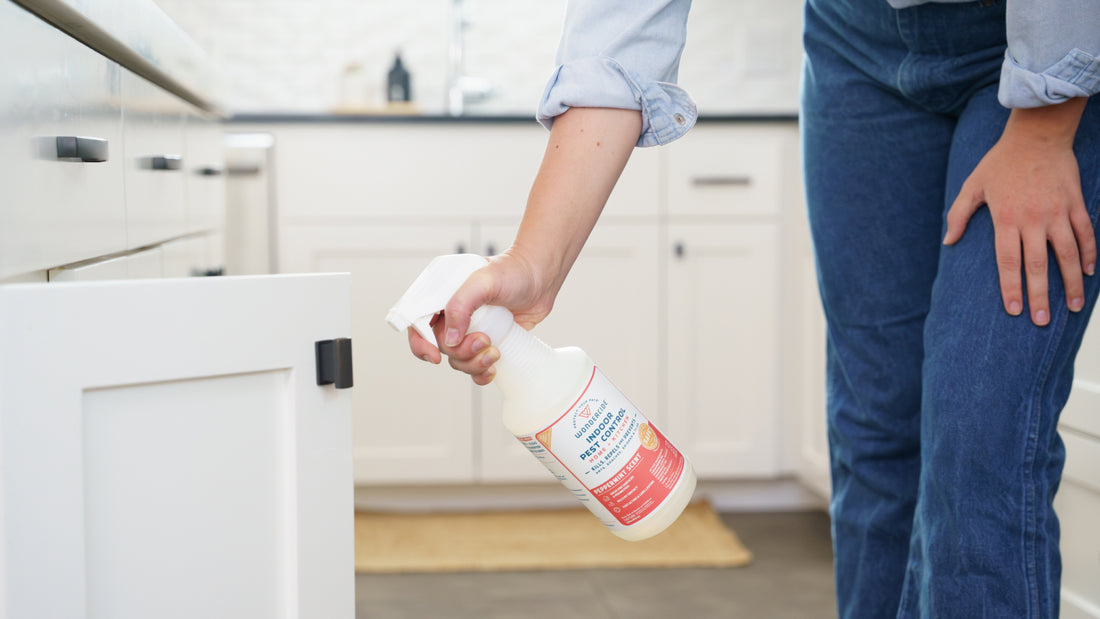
(786, 494)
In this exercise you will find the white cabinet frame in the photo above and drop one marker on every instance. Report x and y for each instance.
(165, 450)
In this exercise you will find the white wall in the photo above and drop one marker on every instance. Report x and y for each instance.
(291, 55)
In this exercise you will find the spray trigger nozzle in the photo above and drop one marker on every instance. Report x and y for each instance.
(430, 291)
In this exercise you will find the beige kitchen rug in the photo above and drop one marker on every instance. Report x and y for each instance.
(552, 539)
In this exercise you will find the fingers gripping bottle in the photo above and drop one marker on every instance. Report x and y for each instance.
(566, 412)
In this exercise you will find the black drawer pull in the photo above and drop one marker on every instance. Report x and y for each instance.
(161, 162)
(79, 148)
(719, 181)
(209, 171)
(244, 170)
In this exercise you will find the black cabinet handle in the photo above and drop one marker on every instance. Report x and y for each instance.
(209, 171)
(334, 362)
(678, 249)
(80, 148)
(162, 162)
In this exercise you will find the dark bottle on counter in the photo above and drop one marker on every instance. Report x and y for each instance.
(397, 82)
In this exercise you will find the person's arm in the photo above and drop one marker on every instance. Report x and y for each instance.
(1053, 46)
(623, 54)
(586, 153)
(1031, 183)
(1030, 179)
(613, 88)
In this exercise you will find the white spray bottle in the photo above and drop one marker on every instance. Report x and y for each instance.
(566, 412)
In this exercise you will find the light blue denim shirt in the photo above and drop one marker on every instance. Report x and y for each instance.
(626, 54)
(623, 54)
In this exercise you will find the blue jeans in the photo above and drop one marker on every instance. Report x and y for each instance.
(942, 408)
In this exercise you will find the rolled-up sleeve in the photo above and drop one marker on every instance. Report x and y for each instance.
(623, 54)
(1053, 52)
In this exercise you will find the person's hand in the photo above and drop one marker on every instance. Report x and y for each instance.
(509, 281)
(586, 153)
(1031, 183)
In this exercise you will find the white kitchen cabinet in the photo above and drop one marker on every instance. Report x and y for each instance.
(1078, 508)
(250, 208)
(187, 256)
(720, 171)
(380, 201)
(807, 353)
(404, 171)
(723, 353)
(146, 264)
(171, 433)
(57, 209)
(692, 338)
(727, 217)
(204, 172)
(431, 171)
(679, 294)
(1078, 500)
(1080, 414)
(424, 423)
(415, 421)
(100, 270)
(184, 257)
(804, 340)
(153, 165)
(95, 158)
(165, 448)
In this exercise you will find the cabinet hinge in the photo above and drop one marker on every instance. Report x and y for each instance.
(334, 362)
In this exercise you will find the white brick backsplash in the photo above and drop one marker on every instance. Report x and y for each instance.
(291, 55)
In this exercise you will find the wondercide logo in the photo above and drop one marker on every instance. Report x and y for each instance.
(544, 437)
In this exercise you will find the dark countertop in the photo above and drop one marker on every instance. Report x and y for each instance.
(471, 118)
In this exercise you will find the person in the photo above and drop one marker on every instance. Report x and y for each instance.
(951, 156)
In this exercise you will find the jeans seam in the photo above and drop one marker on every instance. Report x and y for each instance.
(906, 587)
(1031, 509)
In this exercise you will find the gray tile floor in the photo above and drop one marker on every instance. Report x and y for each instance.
(792, 576)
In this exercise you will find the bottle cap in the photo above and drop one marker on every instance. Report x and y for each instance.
(430, 291)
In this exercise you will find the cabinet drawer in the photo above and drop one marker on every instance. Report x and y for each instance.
(1088, 359)
(1082, 460)
(429, 170)
(1078, 512)
(56, 210)
(1084, 401)
(154, 168)
(729, 171)
(1082, 411)
(188, 257)
(205, 173)
(404, 170)
(145, 264)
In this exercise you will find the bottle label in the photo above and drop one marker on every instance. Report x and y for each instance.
(605, 448)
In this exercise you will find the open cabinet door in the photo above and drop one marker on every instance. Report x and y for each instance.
(167, 452)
